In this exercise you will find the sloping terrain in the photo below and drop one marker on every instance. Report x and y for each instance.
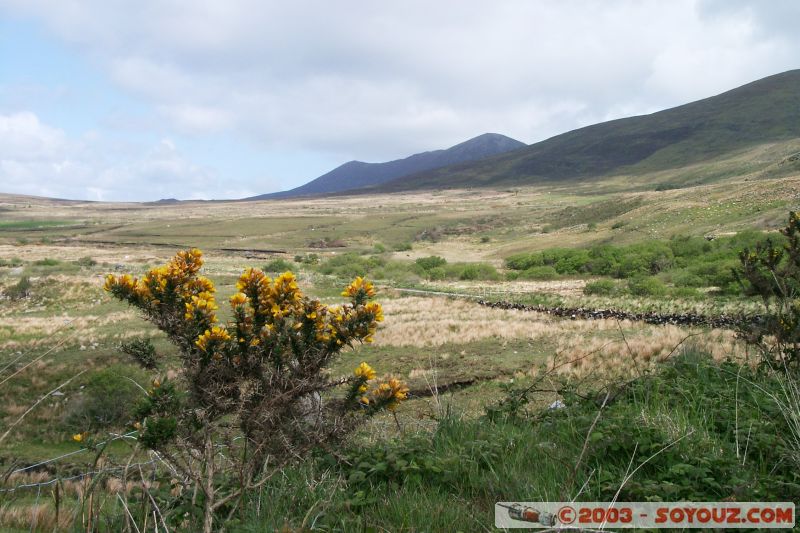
(764, 111)
(357, 174)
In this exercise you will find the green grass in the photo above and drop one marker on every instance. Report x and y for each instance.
(695, 431)
(19, 225)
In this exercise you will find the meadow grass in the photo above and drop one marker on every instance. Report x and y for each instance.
(466, 448)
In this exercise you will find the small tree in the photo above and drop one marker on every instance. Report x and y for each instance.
(772, 271)
(250, 396)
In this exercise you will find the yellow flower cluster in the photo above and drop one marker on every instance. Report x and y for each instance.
(211, 336)
(375, 310)
(390, 393)
(201, 308)
(364, 371)
(178, 277)
(265, 311)
(359, 289)
(279, 298)
(238, 300)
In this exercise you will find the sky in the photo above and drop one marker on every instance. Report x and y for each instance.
(208, 99)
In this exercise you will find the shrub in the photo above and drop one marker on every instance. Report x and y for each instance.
(21, 289)
(686, 293)
(603, 287)
(256, 387)
(646, 286)
(277, 266)
(437, 274)
(539, 273)
(771, 271)
(86, 262)
(351, 265)
(474, 271)
(12, 262)
(403, 247)
(106, 401)
(433, 261)
(308, 259)
(685, 278)
(47, 262)
(379, 248)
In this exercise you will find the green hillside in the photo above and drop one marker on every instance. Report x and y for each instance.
(764, 111)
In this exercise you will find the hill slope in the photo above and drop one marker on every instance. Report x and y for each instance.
(763, 111)
(357, 174)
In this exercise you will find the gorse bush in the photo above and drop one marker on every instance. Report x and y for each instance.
(771, 271)
(257, 385)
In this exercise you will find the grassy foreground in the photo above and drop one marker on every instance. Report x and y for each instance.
(694, 430)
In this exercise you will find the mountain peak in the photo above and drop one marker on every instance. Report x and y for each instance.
(357, 174)
(763, 111)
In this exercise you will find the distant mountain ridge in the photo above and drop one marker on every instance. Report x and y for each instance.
(357, 174)
(767, 110)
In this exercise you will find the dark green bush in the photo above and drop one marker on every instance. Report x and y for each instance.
(538, 273)
(646, 286)
(433, 261)
(351, 264)
(437, 274)
(278, 266)
(472, 271)
(603, 287)
(682, 260)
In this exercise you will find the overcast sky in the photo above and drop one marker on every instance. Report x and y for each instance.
(115, 100)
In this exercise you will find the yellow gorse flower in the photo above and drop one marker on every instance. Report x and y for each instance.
(238, 299)
(364, 371)
(211, 336)
(392, 391)
(358, 287)
(376, 310)
(78, 437)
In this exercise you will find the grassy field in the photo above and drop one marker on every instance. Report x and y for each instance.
(58, 327)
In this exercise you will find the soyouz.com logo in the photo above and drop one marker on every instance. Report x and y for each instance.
(618, 515)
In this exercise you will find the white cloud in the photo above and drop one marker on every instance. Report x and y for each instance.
(39, 159)
(23, 137)
(392, 76)
(374, 80)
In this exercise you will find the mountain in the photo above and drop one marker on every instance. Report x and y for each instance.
(357, 174)
(767, 110)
